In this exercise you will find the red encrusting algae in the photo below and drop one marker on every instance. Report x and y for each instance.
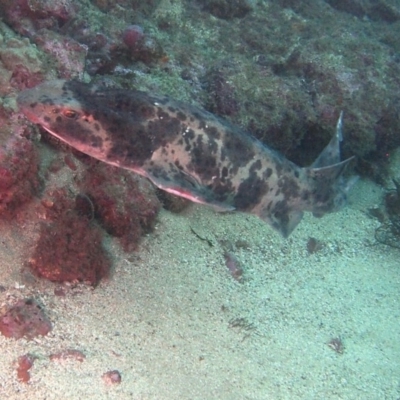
(25, 319)
(70, 246)
(24, 364)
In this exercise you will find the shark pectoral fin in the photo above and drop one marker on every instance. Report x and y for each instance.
(284, 221)
(184, 185)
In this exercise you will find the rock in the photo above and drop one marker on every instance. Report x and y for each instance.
(25, 319)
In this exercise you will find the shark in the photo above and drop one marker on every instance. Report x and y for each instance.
(188, 151)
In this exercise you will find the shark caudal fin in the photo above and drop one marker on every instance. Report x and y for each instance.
(320, 189)
(329, 187)
(331, 153)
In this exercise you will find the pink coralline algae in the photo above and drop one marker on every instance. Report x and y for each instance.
(25, 319)
(23, 365)
(69, 248)
(68, 354)
(132, 35)
(19, 180)
(138, 46)
(20, 65)
(125, 206)
(28, 16)
(68, 54)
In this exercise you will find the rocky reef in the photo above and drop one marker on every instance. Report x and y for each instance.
(264, 65)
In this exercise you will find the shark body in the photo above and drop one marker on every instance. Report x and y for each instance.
(188, 151)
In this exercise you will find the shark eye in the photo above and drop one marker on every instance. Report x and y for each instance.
(70, 114)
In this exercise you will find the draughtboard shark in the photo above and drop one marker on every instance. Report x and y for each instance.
(188, 151)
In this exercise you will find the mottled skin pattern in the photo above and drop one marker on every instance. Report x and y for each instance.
(187, 151)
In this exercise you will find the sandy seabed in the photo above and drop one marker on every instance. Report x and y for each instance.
(176, 325)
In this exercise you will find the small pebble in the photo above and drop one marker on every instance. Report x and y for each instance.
(68, 354)
(24, 364)
(112, 377)
(234, 266)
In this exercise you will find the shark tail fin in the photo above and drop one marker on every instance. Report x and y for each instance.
(331, 153)
(326, 176)
(325, 187)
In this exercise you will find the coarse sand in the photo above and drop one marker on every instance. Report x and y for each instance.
(176, 325)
